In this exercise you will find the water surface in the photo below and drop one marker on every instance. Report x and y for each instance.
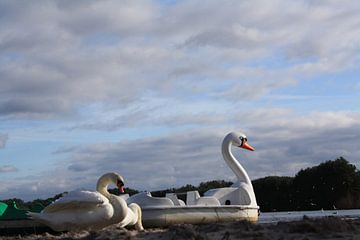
(271, 217)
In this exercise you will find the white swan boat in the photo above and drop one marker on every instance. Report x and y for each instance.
(234, 203)
(80, 210)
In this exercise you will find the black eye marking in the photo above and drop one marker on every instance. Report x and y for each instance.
(243, 140)
(119, 182)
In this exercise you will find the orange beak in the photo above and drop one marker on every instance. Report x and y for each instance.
(247, 146)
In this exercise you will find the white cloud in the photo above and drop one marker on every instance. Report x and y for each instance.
(284, 143)
(198, 70)
(83, 53)
(8, 169)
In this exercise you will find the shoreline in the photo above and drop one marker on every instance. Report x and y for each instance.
(308, 228)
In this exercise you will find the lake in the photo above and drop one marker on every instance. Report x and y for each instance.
(271, 217)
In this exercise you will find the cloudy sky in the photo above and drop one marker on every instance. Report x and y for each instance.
(150, 88)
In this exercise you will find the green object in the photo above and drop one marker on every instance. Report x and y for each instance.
(3, 207)
(11, 212)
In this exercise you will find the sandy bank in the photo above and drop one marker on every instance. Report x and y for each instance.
(323, 228)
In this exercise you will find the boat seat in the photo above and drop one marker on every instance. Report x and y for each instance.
(193, 198)
(174, 198)
(124, 196)
(144, 199)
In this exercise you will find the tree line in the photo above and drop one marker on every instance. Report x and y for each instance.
(332, 184)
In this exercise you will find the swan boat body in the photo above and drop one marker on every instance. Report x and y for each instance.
(234, 203)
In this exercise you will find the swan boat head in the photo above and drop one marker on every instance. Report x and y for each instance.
(107, 179)
(238, 139)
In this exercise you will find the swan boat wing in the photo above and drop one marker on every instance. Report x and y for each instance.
(77, 200)
(77, 210)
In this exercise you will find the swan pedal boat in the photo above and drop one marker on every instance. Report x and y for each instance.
(234, 203)
(79, 210)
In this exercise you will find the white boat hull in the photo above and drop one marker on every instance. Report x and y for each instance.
(165, 216)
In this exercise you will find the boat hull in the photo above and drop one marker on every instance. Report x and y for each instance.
(166, 216)
(22, 226)
(160, 217)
